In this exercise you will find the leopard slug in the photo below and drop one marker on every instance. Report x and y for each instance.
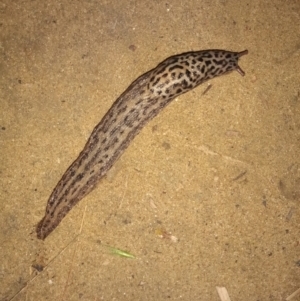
(136, 106)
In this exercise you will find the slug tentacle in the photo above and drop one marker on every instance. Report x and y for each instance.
(238, 68)
(136, 106)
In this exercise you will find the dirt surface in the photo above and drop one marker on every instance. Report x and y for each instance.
(207, 195)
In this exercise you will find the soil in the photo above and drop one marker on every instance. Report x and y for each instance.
(206, 196)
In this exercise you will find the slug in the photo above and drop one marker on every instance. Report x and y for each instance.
(136, 106)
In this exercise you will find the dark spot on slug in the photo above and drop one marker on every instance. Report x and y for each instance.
(120, 111)
(156, 82)
(188, 74)
(184, 83)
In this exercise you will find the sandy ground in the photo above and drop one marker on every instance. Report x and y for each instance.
(207, 195)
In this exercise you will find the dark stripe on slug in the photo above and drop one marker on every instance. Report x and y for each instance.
(175, 67)
(113, 131)
(139, 101)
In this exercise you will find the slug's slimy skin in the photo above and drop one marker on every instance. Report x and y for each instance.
(141, 101)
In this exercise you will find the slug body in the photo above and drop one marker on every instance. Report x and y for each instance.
(140, 102)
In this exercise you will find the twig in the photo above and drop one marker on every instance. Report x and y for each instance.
(223, 294)
(294, 294)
